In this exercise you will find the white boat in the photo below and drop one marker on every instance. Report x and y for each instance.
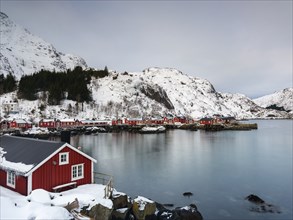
(152, 129)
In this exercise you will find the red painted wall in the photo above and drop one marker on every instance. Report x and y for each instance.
(20, 183)
(49, 175)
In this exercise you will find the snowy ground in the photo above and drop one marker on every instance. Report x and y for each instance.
(41, 204)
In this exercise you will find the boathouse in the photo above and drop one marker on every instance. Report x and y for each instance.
(27, 164)
(207, 121)
(47, 123)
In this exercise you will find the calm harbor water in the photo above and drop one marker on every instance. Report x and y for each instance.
(219, 168)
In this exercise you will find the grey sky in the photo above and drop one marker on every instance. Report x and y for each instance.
(239, 46)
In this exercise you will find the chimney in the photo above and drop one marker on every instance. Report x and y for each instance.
(65, 136)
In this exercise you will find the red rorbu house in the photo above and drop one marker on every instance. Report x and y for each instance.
(168, 120)
(27, 164)
(206, 121)
(180, 120)
(117, 122)
(47, 123)
(21, 124)
(134, 121)
(155, 121)
(67, 123)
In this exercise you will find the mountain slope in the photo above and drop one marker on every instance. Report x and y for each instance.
(154, 92)
(22, 53)
(281, 99)
(177, 93)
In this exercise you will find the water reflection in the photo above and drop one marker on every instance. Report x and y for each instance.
(220, 168)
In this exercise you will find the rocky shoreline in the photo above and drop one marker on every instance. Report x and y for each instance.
(42, 134)
(140, 208)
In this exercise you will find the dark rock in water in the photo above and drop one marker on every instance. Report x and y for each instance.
(189, 213)
(265, 208)
(255, 199)
(188, 194)
(168, 205)
(261, 206)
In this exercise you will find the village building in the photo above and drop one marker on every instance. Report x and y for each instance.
(228, 119)
(67, 123)
(20, 124)
(207, 121)
(28, 164)
(48, 123)
(4, 125)
(10, 107)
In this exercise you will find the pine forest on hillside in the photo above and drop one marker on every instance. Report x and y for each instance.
(59, 85)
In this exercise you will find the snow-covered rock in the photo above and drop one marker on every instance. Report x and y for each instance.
(280, 99)
(22, 53)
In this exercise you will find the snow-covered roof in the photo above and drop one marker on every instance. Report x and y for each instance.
(67, 120)
(20, 121)
(48, 120)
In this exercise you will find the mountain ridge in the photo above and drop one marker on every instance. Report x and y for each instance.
(282, 99)
(153, 92)
(22, 53)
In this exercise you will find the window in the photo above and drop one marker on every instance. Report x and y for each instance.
(77, 172)
(11, 179)
(63, 158)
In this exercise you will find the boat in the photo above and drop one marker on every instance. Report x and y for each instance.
(152, 129)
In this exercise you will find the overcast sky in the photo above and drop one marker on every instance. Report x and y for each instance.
(239, 46)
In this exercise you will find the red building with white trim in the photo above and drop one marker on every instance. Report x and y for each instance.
(20, 124)
(29, 164)
(47, 123)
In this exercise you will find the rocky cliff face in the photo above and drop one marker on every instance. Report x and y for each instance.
(22, 53)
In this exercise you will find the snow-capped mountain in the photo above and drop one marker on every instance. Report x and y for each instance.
(159, 91)
(281, 99)
(152, 93)
(22, 53)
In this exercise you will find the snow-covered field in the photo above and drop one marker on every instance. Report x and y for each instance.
(41, 204)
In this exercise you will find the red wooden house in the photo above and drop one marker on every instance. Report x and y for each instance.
(67, 123)
(47, 123)
(207, 121)
(134, 121)
(20, 124)
(29, 164)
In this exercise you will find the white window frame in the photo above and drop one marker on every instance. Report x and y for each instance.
(75, 174)
(66, 154)
(10, 180)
